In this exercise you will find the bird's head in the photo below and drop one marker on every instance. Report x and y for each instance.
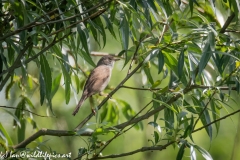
(107, 60)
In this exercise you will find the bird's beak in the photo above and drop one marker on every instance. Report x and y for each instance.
(116, 59)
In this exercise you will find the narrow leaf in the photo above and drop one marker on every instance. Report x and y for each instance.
(160, 61)
(67, 82)
(180, 64)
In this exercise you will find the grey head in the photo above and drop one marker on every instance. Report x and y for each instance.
(107, 60)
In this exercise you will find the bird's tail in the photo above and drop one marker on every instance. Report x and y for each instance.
(79, 105)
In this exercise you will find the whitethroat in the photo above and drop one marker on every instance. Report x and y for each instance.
(98, 79)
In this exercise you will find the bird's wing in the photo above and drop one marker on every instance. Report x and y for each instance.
(97, 80)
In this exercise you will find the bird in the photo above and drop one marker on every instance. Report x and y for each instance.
(97, 80)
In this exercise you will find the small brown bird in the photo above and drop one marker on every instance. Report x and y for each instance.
(98, 79)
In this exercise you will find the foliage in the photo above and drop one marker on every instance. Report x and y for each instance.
(185, 41)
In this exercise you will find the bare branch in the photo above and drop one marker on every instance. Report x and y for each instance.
(143, 89)
(227, 23)
(143, 149)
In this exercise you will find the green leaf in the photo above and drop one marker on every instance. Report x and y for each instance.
(32, 122)
(83, 38)
(87, 57)
(67, 82)
(206, 55)
(18, 112)
(8, 88)
(47, 77)
(156, 137)
(171, 62)
(205, 117)
(112, 113)
(151, 54)
(5, 136)
(191, 6)
(128, 112)
(180, 64)
(215, 114)
(181, 152)
(160, 61)
(166, 105)
(211, 38)
(42, 88)
(55, 85)
(148, 74)
(77, 81)
(109, 25)
(124, 32)
(29, 102)
(21, 130)
(101, 29)
(169, 118)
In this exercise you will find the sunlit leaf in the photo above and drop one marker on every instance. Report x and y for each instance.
(155, 125)
(4, 134)
(204, 153)
(55, 85)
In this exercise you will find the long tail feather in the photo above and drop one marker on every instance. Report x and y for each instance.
(83, 98)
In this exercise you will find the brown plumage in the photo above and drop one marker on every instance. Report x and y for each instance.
(98, 79)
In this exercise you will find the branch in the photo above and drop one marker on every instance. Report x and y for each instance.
(205, 107)
(49, 132)
(43, 132)
(228, 115)
(143, 149)
(143, 89)
(24, 110)
(227, 23)
(134, 56)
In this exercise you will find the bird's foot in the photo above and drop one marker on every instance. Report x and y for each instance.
(104, 95)
(93, 111)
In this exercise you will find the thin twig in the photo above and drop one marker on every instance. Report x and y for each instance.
(228, 115)
(227, 23)
(143, 149)
(42, 132)
(134, 57)
(24, 110)
(143, 89)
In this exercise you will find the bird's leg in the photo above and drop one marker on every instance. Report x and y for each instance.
(104, 94)
(92, 105)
